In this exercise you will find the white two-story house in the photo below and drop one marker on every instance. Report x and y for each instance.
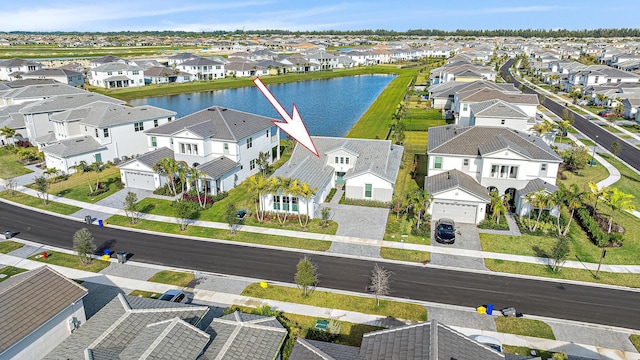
(116, 75)
(221, 142)
(101, 131)
(497, 158)
(463, 99)
(202, 68)
(12, 69)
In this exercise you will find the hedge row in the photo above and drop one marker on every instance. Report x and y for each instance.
(596, 234)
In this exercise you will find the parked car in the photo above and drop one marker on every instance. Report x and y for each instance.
(445, 231)
(604, 113)
(176, 296)
(489, 341)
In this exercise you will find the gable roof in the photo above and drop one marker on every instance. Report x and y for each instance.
(102, 114)
(54, 72)
(41, 91)
(117, 327)
(245, 336)
(478, 140)
(453, 179)
(73, 146)
(116, 66)
(151, 158)
(320, 350)
(497, 108)
(217, 123)
(66, 102)
(535, 185)
(24, 306)
(486, 93)
(218, 167)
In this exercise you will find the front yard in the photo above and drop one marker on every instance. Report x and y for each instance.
(70, 261)
(77, 185)
(36, 202)
(10, 165)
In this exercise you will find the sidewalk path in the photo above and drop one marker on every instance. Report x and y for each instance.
(225, 299)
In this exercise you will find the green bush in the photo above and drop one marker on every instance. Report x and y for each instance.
(595, 233)
(492, 225)
(332, 192)
(321, 335)
(369, 203)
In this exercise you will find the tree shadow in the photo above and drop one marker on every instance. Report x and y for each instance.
(540, 252)
(108, 244)
(586, 268)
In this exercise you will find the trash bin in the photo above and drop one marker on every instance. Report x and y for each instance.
(87, 219)
(510, 311)
(489, 309)
(8, 234)
(100, 223)
(106, 252)
(122, 257)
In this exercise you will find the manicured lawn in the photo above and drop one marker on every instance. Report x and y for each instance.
(583, 176)
(611, 129)
(405, 255)
(10, 271)
(8, 246)
(512, 267)
(524, 351)
(10, 167)
(77, 187)
(35, 202)
(587, 142)
(400, 229)
(145, 294)
(635, 340)
(329, 300)
(177, 278)
(415, 142)
(223, 234)
(350, 333)
(564, 140)
(524, 327)
(629, 181)
(70, 261)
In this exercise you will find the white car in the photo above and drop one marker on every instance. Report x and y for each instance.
(489, 341)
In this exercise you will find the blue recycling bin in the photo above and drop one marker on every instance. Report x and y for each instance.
(489, 309)
(107, 252)
(100, 223)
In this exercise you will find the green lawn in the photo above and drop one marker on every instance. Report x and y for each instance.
(77, 186)
(10, 167)
(10, 271)
(525, 351)
(70, 261)
(583, 176)
(564, 140)
(635, 340)
(145, 294)
(223, 234)
(329, 300)
(35, 202)
(8, 246)
(350, 333)
(406, 255)
(629, 181)
(53, 51)
(587, 142)
(524, 327)
(172, 278)
(415, 142)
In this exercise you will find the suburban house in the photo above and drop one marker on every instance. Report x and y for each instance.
(116, 75)
(497, 158)
(202, 68)
(245, 69)
(12, 69)
(100, 131)
(35, 321)
(366, 169)
(107, 59)
(37, 115)
(514, 103)
(499, 113)
(131, 327)
(69, 77)
(221, 142)
(165, 75)
(35, 92)
(11, 118)
(461, 71)
(426, 341)
(443, 96)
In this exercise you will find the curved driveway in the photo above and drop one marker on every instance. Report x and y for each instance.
(543, 298)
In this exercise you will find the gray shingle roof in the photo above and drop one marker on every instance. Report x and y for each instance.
(103, 114)
(66, 102)
(320, 350)
(199, 61)
(477, 140)
(217, 123)
(240, 336)
(112, 329)
(24, 306)
(536, 184)
(492, 93)
(42, 91)
(455, 179)
(73, 146)
(116, 66)
(497, 108)
(55, 72)
(218, 167)
(17, 62)
(381, 157)
(152, 157)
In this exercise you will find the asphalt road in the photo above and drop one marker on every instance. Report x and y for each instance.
(629, 153)
(543, 298)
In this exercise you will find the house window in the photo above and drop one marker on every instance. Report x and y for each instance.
(543, 169)
(503, 171)
(108, 73)
(285, 203)
(119, 72)
(135, 72)
(155, 123)
(346, 160)
(139, 126)
(438, 163)
(513, 172)
(249, 143)
(494, 170)
(465, 162)
(252, 164)
(154, 141)
(276, 202)
(336, 160)
(294, 204)
(105, 132)
(464, 107)
(502, 122)
(267, 133)
(368, 189)
(97, 133)
(189, 149)
(98, 157)
(226, 147)
(341, 160)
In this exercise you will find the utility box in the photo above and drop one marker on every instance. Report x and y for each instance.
(510, 311)
(122, 257)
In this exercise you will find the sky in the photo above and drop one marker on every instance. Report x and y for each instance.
(295, 15)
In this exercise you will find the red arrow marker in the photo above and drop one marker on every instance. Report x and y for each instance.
(292, 125)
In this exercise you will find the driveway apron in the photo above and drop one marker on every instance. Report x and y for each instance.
(468, 238)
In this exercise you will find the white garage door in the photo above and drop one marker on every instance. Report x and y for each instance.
(461, 213)
(140, 180)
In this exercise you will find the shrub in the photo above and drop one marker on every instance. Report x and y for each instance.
(321, 335)
(492, 225)
(98, 191)
(163, 190)
(595, 233)
(332, 192)
(363, 202)
(207, 200)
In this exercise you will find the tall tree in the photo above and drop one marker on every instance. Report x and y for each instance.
(615, 147)
(563, 128)
(231, 216)
(98, 167)
(596, 194)
(618, 200)
(306, 276)
(499, 205)
(83, 168)
(258, 185)
(42, 187)
(307, 192)
(183, 212)
(380, 282)
(541, 202)
(84, 245)
(130, 207)
(263, 163)
(9, 133)
(559, 253)
(573, 197)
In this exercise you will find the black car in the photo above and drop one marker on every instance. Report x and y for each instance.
(445, 231)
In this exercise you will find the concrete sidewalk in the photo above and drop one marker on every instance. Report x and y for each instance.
(226, 299)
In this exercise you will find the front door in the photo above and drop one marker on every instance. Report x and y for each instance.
(340, 179)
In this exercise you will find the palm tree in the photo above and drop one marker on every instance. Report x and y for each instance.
(557, 199)
(168, 167)
(530, 199)
(9, 133)
(543, 128)
(307, 193)
(295, 190)
(84, 168)
(51, 172)
(619, 108)
(284, 185)
(563, 127)
(195, 174)
(275, 186)
(573, 200)
(98, 167)
(181, 170)
(618, 200)
(596, 194)
(602, 98)
(258, 185)
(540, 201)
(498, 205)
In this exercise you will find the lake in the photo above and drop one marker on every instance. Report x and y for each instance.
(328, 107)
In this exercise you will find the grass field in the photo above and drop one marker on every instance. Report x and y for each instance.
(406, 255)
(70, 261)
(329, 300)
(53, 51)
(524, 327)
(77, 186)
(629, 181)
(10, 167)
(8, 246)
(635, 340)
(172, 278)
(415, 142)
(583, 176)
(35, 202)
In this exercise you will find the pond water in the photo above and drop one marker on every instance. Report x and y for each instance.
(328, 107)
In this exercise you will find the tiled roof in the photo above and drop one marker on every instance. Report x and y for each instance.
(116, 66)
(103, 114)
(240, 336)
(54, 72)
(199, 61)
(110, 332)
(217, 123)
(497, 108)
(320, 350)
(73, 146)
(535, 185)
(162, 71)
(455, 179)
(41, 91)
(490, 94)
(17, 62)
(151, 158)
(66, 102)
(475, 140)
(218, 167)
(25, 304)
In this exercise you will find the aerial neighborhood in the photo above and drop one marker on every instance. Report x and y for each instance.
(492, 155)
